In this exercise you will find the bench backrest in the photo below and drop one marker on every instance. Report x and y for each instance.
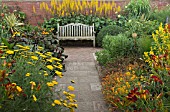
(76, 30)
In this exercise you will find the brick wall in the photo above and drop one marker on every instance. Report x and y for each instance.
(27, 7)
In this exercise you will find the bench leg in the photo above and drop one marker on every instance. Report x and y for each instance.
(93, 43)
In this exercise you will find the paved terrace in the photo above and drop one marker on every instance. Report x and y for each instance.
(81, 68)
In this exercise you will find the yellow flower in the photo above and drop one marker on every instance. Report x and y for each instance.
(48, 53)
(53, 104)
(40, 48)
(19, 89)
(65, 104)
(32, 84)
(128, 73)
(43, 56)
(10, 52)
(30, 63)
(34, 98)
(50, 60)
(55, 82)
(72, 95)
(27, 74)
(58, 73)
(70, 88)
(151, 53)
(34, 57)
(66, 93)
(50, 84)
(50, 67)
(57, 102)
(46, 74)
(56, 59)
(16, 50)
(38, 53)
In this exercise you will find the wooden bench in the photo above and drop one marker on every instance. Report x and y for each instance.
(76, 31)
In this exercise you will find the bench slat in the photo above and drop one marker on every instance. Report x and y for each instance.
(76, 31)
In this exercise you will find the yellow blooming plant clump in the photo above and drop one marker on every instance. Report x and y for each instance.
(67, 7)
(26, 79)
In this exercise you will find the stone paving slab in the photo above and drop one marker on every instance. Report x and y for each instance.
(80, 73)
(81, 67)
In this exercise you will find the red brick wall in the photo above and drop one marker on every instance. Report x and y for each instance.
(27, 7)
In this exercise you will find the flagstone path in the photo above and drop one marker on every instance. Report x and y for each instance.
(81, 67)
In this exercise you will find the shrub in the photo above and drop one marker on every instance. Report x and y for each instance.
(116, 46)
(103, 56)
(160, 15)
(119, 45)
(108, 30)
(141, 27)
(144, 44)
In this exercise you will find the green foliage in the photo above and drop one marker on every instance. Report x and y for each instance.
(103, 56)
(160, 15)
(115, 47)
(144, 44)
(13, 23)
(3, 10)
(137, 8)
(108, 30)
(141, 27)
(99, 22)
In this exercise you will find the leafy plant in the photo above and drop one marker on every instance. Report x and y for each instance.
(103, 56)
(13, 23)
(99, 22)
(117, 47)
(144, 44)
(141, 27)
(137, 8)
(161, 15)
(108, 30)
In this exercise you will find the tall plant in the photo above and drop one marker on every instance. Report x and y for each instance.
(137, 8)
(67, 7)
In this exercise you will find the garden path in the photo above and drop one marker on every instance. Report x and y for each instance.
(81, 67)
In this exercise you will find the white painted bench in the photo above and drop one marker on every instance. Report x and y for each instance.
(76, 31)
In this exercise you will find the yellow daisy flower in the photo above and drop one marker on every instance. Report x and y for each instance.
(70, 88)
(57, 102)
(50, 67)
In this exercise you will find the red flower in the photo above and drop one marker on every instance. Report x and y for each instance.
(133, 95)
(153, 57)
(1, 52)
(157, 79)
